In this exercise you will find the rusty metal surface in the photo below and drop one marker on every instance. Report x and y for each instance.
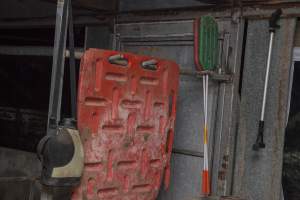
(126, 116)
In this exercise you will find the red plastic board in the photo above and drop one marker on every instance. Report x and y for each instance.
(126, 119)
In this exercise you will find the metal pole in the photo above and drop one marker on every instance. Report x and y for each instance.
(58, 66)
(57, 75)
(259, 143)
(73, 84)
(36, 51)
(262, 116)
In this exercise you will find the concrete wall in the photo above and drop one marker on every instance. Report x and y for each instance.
(258, 173)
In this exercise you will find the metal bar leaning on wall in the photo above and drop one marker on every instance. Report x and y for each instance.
(35, 51)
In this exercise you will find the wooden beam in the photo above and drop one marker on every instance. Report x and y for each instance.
(103, 5)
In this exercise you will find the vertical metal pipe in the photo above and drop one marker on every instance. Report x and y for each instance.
(73, 84)
(267, 77)
(58, 65)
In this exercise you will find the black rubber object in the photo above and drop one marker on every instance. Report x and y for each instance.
(259, 143)
(274, 20)
(56, 151)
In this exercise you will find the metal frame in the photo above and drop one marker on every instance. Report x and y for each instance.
(36, 51)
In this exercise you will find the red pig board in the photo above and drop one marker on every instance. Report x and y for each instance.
(126, 118)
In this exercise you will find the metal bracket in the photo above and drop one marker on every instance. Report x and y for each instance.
(220, 77)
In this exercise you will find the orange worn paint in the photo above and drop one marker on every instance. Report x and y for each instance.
(205, 183)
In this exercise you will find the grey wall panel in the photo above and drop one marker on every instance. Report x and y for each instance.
(258, 174)
(174, 40)
(185, 180)
(92, 35)
(180, 53)
(189, 121)
(162, 28)
(227, 111)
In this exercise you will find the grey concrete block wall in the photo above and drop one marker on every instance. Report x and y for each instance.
(258, 173)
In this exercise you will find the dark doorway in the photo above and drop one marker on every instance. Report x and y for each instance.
(25, 77)
(291, 161)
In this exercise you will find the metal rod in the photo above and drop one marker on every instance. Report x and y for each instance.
(36, 51)
(259, 143)
(58, 66)
(73, 84)
(213, 75)
(262, 116)
(188, 152)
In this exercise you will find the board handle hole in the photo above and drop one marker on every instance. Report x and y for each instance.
(118, 59)
(150, 65)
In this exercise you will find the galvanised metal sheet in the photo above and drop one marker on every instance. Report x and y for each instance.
(155, 29)
(258, 174)
(174, 40)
